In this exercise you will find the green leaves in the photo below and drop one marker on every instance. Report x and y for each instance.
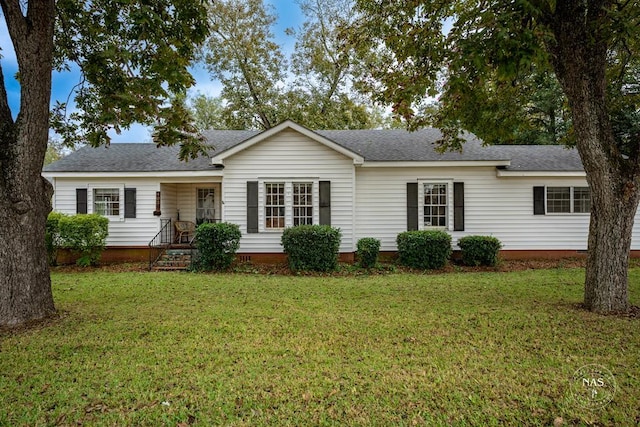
(133, 58)
(263, 87)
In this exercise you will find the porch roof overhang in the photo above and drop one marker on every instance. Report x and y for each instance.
(154, 174)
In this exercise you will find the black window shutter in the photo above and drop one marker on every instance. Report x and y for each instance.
(538, 201)
(129, 202)
(81, 200)
(325, 202)
(252, 206)
(412, 206)
(458, 206)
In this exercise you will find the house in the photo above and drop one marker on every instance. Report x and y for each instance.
(369, 183)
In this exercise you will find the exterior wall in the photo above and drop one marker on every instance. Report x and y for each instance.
(288, 156)
(501, 207)
(186, 199)
(168, 201)
(122, 231)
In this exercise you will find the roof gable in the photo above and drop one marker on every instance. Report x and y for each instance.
(288, 124)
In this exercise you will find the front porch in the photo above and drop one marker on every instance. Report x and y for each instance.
(195, 202)
(181, 207)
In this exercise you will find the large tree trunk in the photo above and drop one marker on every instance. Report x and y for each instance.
(25, 197)
(579, 55)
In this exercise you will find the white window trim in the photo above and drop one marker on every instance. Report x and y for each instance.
(288, 202)
(102, 186)
(571, 200)
(215, 199)
(449, 184)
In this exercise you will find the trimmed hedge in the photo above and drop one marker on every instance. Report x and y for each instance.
(425, 249)
(52, 237)
(480, 250)
(312, 247)
(368, 250)
(84, 234)
(217, 244)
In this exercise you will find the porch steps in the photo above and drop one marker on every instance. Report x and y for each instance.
(174, 259)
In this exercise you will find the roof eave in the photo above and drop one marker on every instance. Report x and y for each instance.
(436, 163)
(501, 173)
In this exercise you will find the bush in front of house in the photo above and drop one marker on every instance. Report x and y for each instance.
(424, 249)
(217, 244)
(85, 235)
(312, 247)
(52, 238)
(368, 249)
(480, 250)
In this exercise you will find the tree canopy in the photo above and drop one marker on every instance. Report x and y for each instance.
(262, 86)
(133, 58)
(482, 60)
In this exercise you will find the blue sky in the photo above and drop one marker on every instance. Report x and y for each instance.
(289, 15)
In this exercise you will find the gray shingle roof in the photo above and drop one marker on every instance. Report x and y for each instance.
(394, 145)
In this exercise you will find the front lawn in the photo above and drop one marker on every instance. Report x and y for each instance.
(182, 349)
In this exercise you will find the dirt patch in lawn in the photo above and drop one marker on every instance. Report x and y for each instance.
(350, 269)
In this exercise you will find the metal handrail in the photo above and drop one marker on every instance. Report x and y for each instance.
(159, 244)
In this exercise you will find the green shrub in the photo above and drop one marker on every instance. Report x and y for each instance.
(480, 250)
(368, 250)
(52, 236)
(85, 235)
(312, 247)
(217, 244)
(427, 249)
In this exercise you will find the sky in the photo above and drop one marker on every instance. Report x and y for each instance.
(289, 15)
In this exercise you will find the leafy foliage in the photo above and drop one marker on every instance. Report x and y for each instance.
(312, 247)
(84, 234)
(52, 236)
(133, 57)
(480, 250)
(484, 57)
(262, 87)
(424, 249)
(368, 250)
(217, 244)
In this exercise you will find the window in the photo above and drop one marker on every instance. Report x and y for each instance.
(568, 200)
(435, 205)
(302, 203)
(274, 206)
(205, 207)
(106, 201)
(581, 200)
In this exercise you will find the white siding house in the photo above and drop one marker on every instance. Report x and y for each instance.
(369, 183)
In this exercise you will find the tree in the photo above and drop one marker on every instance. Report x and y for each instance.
(262, 87)
(132, 56)
(242, 55)
(591, 47)
(208, 111)
(55, 151)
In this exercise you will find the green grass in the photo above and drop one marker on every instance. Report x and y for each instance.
(399, 349)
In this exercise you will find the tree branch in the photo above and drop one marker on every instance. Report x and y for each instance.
(5, 111)
(15, 20)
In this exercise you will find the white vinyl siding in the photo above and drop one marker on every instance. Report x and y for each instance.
(500, 207)
(122, 231)
(288, 157)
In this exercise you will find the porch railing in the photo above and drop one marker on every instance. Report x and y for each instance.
(159, 244)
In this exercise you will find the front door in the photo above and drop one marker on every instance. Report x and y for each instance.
(205, 205)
